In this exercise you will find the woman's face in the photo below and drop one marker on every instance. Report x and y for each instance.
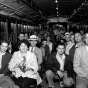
(23, 47)
(3, 47)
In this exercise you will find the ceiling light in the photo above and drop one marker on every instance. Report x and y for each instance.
(56, 7)
(57, 12)
(82, 4)
(56, 1)
(57, 15)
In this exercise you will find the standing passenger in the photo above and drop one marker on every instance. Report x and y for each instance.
(81, 65)
(78, 43)
(68, 43)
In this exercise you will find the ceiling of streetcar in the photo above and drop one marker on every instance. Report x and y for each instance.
(38, 10)
(65, 7)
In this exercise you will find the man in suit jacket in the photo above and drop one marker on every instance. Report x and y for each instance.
(81, 65)
(37, 51)
(57, 64)
(33, 48)
(68, 43)
(78, 43)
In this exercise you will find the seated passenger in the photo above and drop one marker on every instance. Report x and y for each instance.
(24, 66)
(5, 80)
(34, 49)
(38, 52)
(4, 58)
(58, 64)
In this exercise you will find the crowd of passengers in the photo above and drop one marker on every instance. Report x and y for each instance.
(63, 58)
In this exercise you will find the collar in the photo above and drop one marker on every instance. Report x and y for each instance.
(63, 56)
(69, 42)
(32, 47)
(87, 47)
(76, 46)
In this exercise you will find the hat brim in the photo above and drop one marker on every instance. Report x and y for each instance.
(32, 39)
(67, 34)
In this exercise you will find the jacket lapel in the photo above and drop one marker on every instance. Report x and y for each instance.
(56, 57)
(35, 50)
(85, 52)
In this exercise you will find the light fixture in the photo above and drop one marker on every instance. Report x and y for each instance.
(56, 1)
(57, 12)
(56, 7)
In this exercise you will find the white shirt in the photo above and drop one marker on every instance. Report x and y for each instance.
(81, 61)
(50, 46)
(87, 47)
(61, 61)
(31, 49)
(1, 54)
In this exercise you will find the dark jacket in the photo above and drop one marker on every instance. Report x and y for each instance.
(72, 52)
(5, 60)
(54, 65)
(47, 50)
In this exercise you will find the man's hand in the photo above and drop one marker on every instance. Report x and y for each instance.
(60, 73)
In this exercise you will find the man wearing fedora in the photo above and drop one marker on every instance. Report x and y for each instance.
(33, 48)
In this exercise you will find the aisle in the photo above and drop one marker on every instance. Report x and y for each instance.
(44, 84)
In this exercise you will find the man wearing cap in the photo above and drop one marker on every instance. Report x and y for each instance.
(33, 41)
(68, 43)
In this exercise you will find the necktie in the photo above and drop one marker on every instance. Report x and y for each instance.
(32, 49)
(23, 67)
(24, 59)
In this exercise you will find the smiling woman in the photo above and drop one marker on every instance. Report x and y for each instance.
(24, 66)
